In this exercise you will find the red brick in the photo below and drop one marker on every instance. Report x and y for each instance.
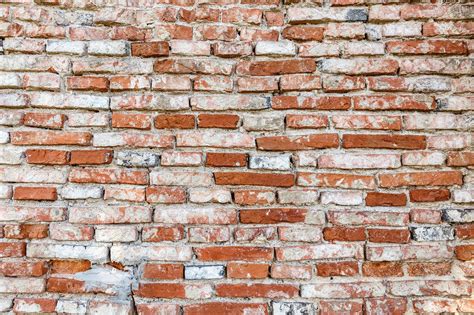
(303, 33)
(343, 268)
(439, 178)
(339, 233)
(133, 121)
(222, 121)
(382, 269)
(429, 195)
(465, 231)
(26, 231)
(35, 193)
(64, 285)
(17, 268)
(12, 249)
(163, 271)
(464, 252)
(91, 157)
(150, 49)
(47, 157)
(255, 179)
(163, 233)
(429, 268)
(244, 253)
(261, 68)
(338, 307)
(247, 271)
(70, 266)
(221, 308)
(157, 194)
(88, 83)
(460, 159)
(108, 176)
(307, 121)
(272, 216)
(226, 159)
(389, 236)
(409, 142)
(375, 199)
(174, 122)
(254, 197)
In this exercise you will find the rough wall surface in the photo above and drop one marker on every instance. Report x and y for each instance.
(236, 157)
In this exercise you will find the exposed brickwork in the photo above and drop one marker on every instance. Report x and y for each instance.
(243, 157)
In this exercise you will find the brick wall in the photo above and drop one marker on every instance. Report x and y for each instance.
(236, 157)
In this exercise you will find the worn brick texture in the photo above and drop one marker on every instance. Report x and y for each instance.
(247, 157)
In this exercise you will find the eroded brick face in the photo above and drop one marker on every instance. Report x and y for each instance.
(246, 157)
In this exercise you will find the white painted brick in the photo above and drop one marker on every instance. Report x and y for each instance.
(66, 47)
(132, 254)
(293, 308)
(71, 307)
(107, 48)
(73, 191)
(359, 161)
(27, 174)
(5, 191)
(79, 101)
(263, 122)
(22, 285)
(88, 120)
(4, 137)
(13, 100)
(137, 159)
(116, 234)
(98, 254)
(205, 195)
(342, 198)
(204, 272)
(11, 155)
(298, 197)
(269, 162)
(402, 29)
(463, 195)
(273, 48)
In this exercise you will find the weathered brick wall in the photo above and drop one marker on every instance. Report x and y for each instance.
(236, 157)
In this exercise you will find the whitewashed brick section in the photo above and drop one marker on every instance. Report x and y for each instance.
(359, 161)
(11, 155)
(97, 254)
(75, 101)
(341, 198)
(72, 191)
(66, 47)
(277, 162)
(204, 272)
(204, 195)
(463, 195)
(107, 48)
(116, 234)
(132, 254)
(272, 48)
